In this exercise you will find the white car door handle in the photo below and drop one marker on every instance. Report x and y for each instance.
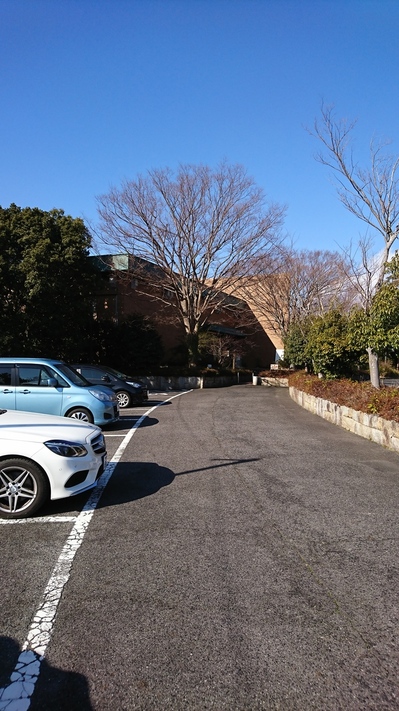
(7, 391)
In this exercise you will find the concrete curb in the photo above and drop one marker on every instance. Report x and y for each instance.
(372, 427)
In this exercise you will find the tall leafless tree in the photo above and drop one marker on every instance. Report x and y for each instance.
(303, 283)
(371, 194)
(203, 229)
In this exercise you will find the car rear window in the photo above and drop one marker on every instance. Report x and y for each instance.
(92, 373)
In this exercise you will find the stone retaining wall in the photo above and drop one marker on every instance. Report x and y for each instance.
(158, 382)
(372, 427)
(270, 381)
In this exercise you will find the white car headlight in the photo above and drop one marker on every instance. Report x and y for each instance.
(134, 385)
(104, 397)
(66, 449)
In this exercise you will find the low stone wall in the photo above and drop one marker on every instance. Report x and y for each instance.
(159, 382)
(270, 381)
(223, 381)
(372, 427)
(390, 382)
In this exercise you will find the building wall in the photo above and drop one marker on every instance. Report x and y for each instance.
(251, 290)
(120, 296)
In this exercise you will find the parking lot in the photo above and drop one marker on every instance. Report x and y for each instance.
(243, 555)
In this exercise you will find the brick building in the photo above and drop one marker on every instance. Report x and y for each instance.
(238, 330)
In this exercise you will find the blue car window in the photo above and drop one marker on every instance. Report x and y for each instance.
(33, 375)
(5, 375)
(29, 375)
(73, 375)
(61, 382)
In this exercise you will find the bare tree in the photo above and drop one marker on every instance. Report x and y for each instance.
(201, 228)
(370, 194)
(302, 283)
(362, 271)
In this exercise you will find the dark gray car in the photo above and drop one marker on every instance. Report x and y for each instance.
(128, 391)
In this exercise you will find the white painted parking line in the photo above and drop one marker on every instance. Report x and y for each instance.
(17, 695)
(39, 519)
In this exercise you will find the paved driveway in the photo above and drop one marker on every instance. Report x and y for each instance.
(243, 556)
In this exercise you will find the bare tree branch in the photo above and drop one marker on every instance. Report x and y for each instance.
(302, 283)
(370, 194)
(202, 229)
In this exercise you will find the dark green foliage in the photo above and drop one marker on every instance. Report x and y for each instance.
(328, 347)
(324, 344)
(47, 289)
(378, 328)
(132, 346)
(46, 283)
(295, 344)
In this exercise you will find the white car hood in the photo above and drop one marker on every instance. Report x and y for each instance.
(35, 427)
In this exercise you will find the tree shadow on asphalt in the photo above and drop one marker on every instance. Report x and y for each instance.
(131, 481)
(136, 480)
(53, 688)
(226, 463)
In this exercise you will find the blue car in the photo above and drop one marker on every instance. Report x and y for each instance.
(53, 388)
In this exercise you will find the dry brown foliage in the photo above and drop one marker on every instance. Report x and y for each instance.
(359, 396)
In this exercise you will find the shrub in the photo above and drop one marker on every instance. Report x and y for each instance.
(359, 396)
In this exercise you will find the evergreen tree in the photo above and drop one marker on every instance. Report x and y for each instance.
(46, 283)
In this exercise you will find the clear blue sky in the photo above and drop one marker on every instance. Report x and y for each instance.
(95, 91)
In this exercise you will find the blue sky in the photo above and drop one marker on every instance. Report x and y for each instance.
(96, 91)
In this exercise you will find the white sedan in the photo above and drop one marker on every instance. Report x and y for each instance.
(45, 457)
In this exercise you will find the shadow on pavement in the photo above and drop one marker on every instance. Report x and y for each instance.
(135, 480)
(52, 688)
(131, 481)
(225, 463)
(125, 423)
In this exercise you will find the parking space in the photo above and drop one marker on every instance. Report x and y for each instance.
(66, 510)
(130, 417)
(37, 552)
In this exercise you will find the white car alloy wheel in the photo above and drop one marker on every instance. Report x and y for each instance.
(23, 488)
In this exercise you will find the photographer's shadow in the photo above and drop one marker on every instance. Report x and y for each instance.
(50, 688)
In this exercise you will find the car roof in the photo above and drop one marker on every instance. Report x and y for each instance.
(89, 365)
(45, 361)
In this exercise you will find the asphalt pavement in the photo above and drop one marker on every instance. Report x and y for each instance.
(243, 556)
